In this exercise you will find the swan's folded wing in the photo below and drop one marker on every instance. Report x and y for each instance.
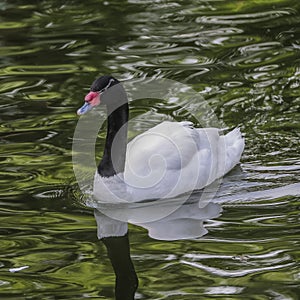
(167, 146)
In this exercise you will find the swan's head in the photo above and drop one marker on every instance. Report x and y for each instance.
(93, 98)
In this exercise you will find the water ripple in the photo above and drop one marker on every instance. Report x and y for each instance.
(36, 70)
(245, 18)
(235, 273)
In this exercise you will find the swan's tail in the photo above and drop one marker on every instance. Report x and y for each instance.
(235, 144)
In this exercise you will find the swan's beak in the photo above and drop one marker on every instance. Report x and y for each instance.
(84, 108)
(92, 99)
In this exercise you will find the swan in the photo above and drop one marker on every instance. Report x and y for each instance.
(167, 160)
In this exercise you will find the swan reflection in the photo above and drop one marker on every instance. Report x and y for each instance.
(166, 219)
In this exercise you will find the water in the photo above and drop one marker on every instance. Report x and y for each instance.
(242, 57)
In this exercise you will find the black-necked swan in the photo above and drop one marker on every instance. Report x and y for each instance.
(169, 159)
(165, 161)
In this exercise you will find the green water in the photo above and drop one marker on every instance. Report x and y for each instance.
(243, 57)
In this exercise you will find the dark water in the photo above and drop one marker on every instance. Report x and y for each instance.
(243, 57)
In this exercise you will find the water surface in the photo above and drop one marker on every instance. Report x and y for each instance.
(243, 57)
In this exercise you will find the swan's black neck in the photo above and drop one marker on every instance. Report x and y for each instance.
(113, 160)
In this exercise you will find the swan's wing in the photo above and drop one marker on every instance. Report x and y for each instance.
(167, 146)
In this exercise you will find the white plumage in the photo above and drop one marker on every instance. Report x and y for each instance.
(170, 159)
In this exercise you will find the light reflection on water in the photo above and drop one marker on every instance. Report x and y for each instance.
(242, 57)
